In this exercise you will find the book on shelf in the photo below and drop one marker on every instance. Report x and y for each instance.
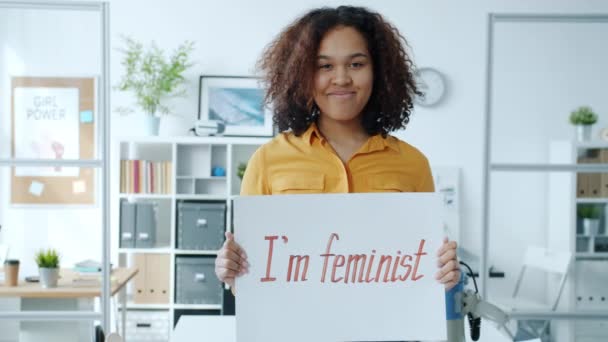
(145, 176)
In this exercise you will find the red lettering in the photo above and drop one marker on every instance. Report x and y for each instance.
(418, 256)
(384, 259)
(338, 262)
(369, 267)
(407, 267)
(327, 254)
(269, 258)
(299, 258)
(355, 258)
(394, 277)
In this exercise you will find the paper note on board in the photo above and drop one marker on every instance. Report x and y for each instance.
(36, 188)
(79, 187)
(86, 116)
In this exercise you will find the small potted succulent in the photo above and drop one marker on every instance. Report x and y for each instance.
(240, 170)
(590, 215)
(583, 118)
(48, 266)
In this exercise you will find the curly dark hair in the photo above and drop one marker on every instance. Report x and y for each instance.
(288, 67)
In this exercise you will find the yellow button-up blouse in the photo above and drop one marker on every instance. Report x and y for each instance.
(289, 164)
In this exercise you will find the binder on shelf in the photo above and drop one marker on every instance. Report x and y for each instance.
(151, 284)
(145, 225)
(604, 176)
(157, 277)
(582, 180)
(140, 295)
(594, 185)
(128, 213)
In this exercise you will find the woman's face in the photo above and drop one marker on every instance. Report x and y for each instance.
(344, 76)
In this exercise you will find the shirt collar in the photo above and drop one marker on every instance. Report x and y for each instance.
(378, 143)
(374, 143)
(311, 133)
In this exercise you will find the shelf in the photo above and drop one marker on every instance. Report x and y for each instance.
(201, 197)
(222, 178)
(198, 306)
(145, 196)
(156, 250)
(601, 200)
(133, 306)
(193, 160)
(544, 167)
(591, 144)
(221, 140)
(592, 256)
(560, 315)
(194, 252)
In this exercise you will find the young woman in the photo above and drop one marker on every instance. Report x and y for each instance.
(339, 80)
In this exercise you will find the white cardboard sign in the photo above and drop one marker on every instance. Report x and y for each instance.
(340, 267)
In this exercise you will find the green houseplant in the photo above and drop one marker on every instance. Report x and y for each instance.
(583, 118)
(590, 215)
(240, 170)
(48, 266)
(152, 77)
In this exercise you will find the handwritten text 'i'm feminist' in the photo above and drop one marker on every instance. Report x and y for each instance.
(352, 268)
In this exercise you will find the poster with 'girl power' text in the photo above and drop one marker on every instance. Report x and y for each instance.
(340, 267)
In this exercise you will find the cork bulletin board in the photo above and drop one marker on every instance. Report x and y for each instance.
(53, 118)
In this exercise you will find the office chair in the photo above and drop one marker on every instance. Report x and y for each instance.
(539, 259)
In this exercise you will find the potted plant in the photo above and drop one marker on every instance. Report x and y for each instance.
(240, 170)
(153, 78)
(583, 118)
(590, 215)
(48, 266)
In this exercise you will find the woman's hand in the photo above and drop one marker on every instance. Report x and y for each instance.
(449, 273)
(231, 261)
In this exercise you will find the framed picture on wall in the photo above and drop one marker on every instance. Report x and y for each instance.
(237, 102)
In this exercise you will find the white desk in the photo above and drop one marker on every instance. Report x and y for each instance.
(205, 329)
(66, 296)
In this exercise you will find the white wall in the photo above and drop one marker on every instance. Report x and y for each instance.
(542, 71)
(447, 35)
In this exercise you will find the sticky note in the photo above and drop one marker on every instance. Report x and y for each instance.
(86, 116)
(36, 188)
(79, 187)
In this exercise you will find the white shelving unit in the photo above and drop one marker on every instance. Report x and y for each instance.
(587, 288)
(193, 160)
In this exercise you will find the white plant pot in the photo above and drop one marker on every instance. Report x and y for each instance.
(583, 132)
(151, 125)
(591, 226)
(49, 277)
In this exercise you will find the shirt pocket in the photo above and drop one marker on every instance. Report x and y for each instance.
(299, 183)
(389, 183)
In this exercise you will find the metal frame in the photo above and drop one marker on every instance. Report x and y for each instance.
(494, 18)
(103, 163)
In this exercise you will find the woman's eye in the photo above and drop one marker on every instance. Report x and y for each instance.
(356, 65)
(325, 66)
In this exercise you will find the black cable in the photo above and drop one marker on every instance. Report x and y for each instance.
(474, 323)
(471, 275)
